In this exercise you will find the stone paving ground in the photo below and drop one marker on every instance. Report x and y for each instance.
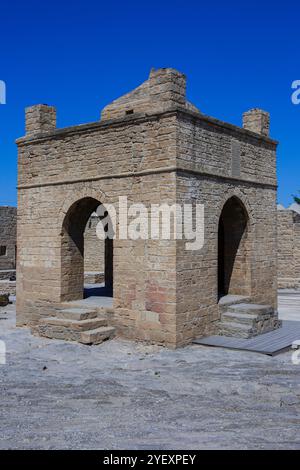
(124, 395)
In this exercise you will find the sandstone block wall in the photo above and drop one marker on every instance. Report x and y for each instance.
(217, 162)
(8, 234)
(93, 247)
(288, 249)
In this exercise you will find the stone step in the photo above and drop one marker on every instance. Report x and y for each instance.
(235, 329)
(57, 332)
(92, 336)
(76, 325)
(245, 320)
(76, 314)
(250, 309)
(237, 317)
(97, 336)
(231, 299)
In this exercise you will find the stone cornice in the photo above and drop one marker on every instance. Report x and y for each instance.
(180, 171)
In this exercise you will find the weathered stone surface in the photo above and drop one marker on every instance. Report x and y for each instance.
(8, 234)
(8, 287)
(82, 325)
(76, 314)
(98, 335)
(244, 318)
(165, 88)
(288, 221)
(236, 329)
(94, 277)
(229, 300)
(257, 120)
(93, 252)
(251, 309)
(40, 119)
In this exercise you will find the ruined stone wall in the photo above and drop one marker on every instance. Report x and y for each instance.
(297, 251)
(93, 247)
(288, 249)
(7, 287)
(8, 233)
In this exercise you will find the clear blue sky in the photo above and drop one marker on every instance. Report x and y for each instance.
(80, 55)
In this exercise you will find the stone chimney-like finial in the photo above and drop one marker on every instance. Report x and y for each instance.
(40, 119)
(257, 120)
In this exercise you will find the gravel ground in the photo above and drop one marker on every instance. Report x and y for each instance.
(124, 395)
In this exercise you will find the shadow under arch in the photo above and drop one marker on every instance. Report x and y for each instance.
(234, 250)
(72, 250)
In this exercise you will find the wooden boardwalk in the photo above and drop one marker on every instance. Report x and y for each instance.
(271, 343)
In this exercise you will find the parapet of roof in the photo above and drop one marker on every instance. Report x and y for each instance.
(163, 92)
(293, 207)
(8, 207)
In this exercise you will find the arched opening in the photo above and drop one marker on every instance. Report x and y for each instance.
(73, 263)
(233, 250)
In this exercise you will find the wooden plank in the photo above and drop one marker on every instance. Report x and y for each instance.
(269, 343)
